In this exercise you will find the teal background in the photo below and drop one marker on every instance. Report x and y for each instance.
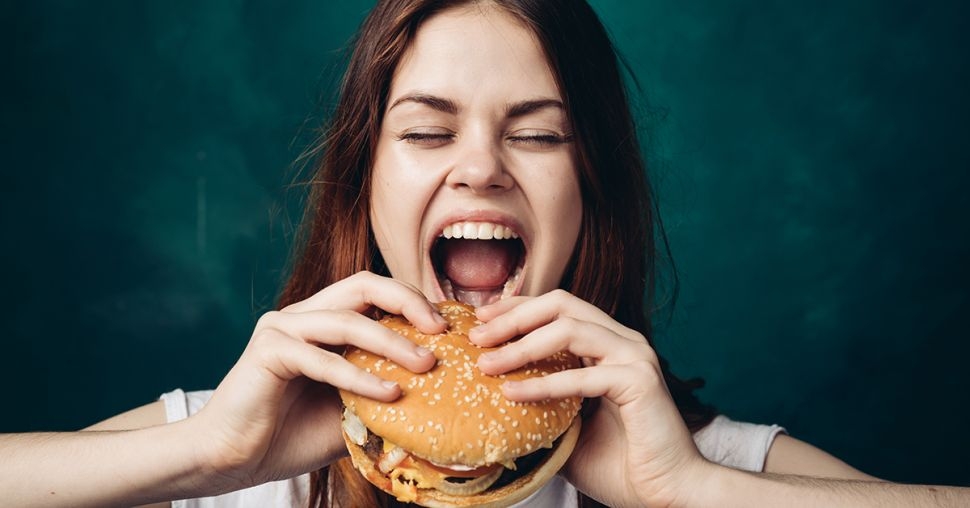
(811, 158)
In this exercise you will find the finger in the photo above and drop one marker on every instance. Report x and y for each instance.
(508, 320)
(287, 358)
(488, 312)
(621, 384)
(342, 328)
(581, 338)
(364, 290)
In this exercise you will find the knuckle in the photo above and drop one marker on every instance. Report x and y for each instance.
(262, 337)
(651, 374)
(647, 353)
(364, 276)
(267, 319)
(568, 322)
(264, 346)
(560, 295)
(327, 361)
(343, 315)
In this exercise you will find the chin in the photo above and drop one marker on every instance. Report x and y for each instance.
(452, 439)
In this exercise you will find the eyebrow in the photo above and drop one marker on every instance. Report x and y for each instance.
(432, 101)
(516, 110)
(527, 107)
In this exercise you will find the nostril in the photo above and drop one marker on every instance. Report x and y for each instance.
(480, 170)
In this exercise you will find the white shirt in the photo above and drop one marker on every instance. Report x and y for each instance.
(724, 441)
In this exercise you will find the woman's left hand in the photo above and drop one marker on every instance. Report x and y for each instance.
(634, 449)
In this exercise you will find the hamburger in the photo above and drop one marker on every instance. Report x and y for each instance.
(452, 438)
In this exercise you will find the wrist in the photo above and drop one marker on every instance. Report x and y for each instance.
(212, 470)
(705, 486)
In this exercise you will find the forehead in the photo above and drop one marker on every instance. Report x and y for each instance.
(475, 51)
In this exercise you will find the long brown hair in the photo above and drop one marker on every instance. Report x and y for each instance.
(614, 262)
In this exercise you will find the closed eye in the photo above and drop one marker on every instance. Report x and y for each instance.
(426, 138)
(542, 141)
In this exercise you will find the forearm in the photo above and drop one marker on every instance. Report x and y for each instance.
(122, 468)
(737, 488)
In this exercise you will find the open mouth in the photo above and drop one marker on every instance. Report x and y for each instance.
(478, 262)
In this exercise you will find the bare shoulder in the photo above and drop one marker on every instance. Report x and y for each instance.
(792, 456)
(138, 418)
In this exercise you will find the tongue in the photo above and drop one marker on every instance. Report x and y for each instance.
(478, 264)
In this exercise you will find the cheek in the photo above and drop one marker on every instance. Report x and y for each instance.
(385, 211)
(399, 196)
(380, 204)
(567, 205)
(561, 214)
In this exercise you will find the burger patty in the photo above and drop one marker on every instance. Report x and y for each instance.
(528, 462)
(374, 448)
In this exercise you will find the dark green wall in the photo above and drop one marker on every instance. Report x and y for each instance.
(811, 158)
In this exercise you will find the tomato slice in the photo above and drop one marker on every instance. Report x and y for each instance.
(471, 473)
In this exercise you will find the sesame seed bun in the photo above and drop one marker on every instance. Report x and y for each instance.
(456, 416)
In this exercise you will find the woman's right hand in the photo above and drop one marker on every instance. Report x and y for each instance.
(276, 414)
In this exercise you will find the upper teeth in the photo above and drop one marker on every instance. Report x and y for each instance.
(478, 231)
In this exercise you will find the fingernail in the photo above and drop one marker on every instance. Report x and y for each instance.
(390, 385)
(440, 319)
(422, 351)
(486, 358)
(511, 385)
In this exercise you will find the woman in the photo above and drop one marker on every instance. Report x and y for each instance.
(498, 118)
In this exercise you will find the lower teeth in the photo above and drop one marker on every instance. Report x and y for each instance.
(479, 298)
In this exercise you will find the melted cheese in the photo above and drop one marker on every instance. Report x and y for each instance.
(408, 477)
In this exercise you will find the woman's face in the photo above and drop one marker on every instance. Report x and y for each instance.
(475, 144)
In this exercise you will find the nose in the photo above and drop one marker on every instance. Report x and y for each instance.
(480, 168)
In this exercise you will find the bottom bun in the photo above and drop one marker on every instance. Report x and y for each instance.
(511, 493)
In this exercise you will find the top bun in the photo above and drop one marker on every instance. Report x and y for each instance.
(454, 414)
